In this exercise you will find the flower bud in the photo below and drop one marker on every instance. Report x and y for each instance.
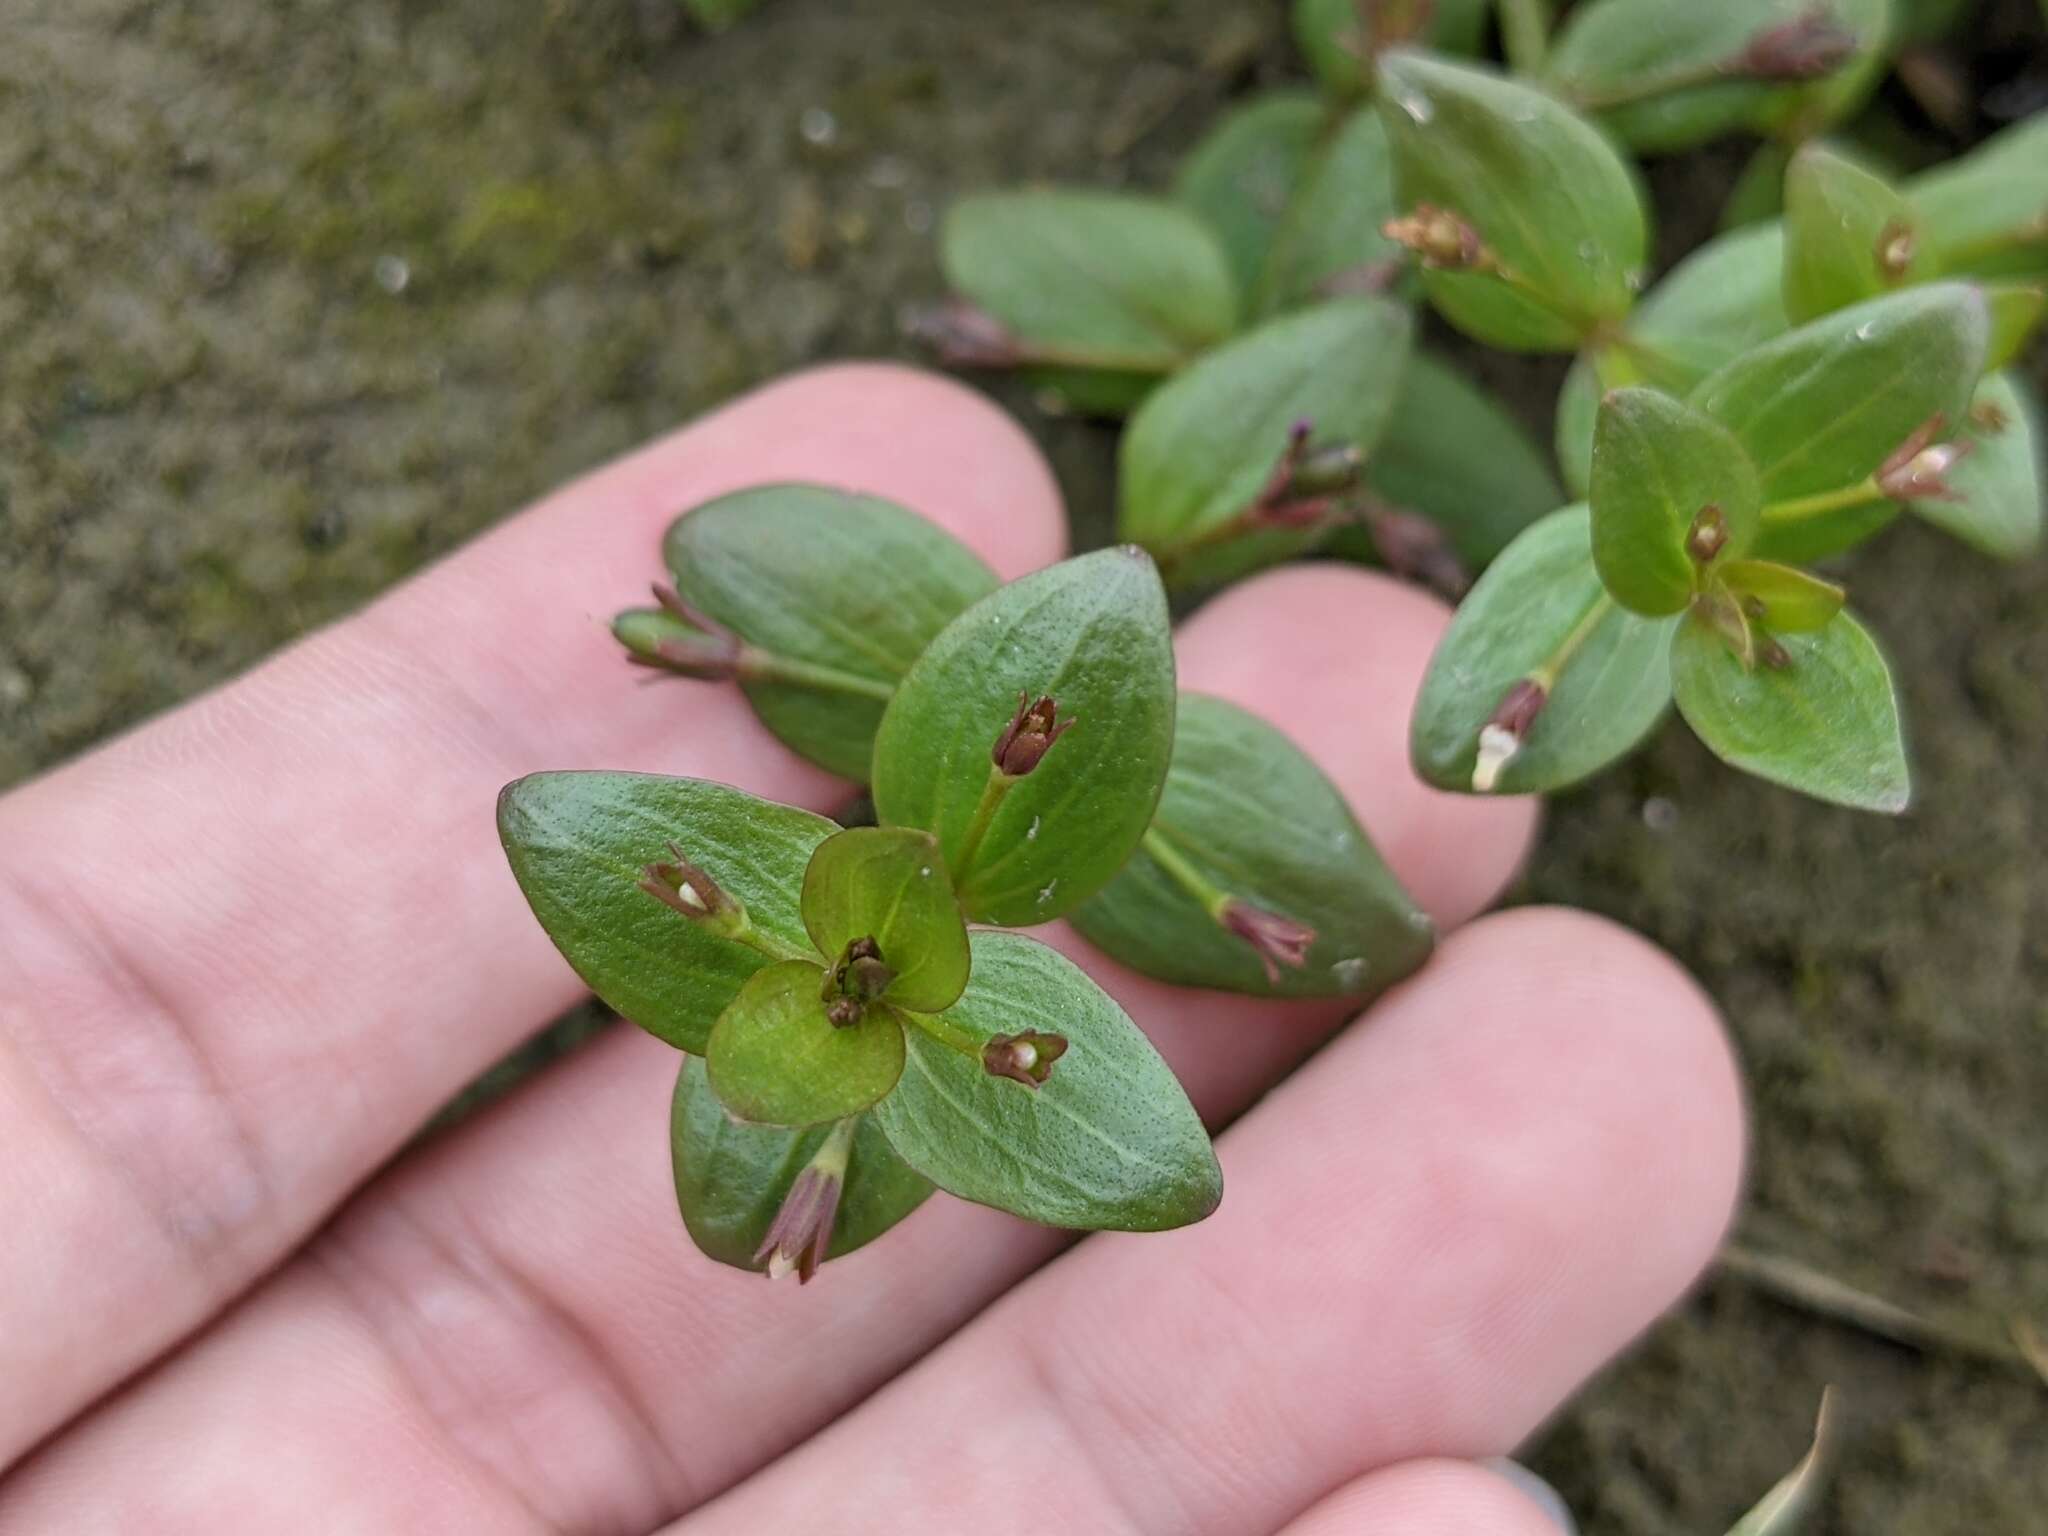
(1417, 549)
(1441, 240)
(856, 979)
(679, 884)
(1025, 1058)
(1029, 736)
(1501, 738)
(1304, 485)
(656, 637)
(1896, 245)
(1917, 469)
(1276, 940)
(800, 1236)
(963, 335)
(1708, 535)
(1805, 48)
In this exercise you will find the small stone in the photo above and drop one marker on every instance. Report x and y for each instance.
(1659, 814)
(393, 273)
(818, 126)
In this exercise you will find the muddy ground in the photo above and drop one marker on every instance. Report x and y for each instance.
(296, 296)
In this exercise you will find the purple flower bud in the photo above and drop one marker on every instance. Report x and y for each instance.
(677, 883)
(1805, 48)
(1025, 1058)
(1276, 940)
(1917, 469)
(1416, 549)
(800, 1236)
(1501, 738)
(659, 637)
(963, 335)
(1029, 736)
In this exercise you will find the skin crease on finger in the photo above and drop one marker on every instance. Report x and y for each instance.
(522, 1299)
(1425, 1498)
(247, 950)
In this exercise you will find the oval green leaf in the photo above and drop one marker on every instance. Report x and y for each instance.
(1092, 280)
(1093, 634)
(836, 593)
(1825, 724)
(889, 884)
(1997, 485)
(1541, 597)
(2016, 309)
(1256, 819)
(1332, 227)
(731, 1177)
(1666, 76)
(1109, 1141)
(1849, 235)
(1819, 408)
(1452, 452)
(1246, 170)
(1200, 450)
(1657, 465)
(1785, 598)
(577, 843)
(1546, 191)
(1988, 211)
(775, 1059)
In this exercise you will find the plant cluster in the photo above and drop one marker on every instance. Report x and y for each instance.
(1778, 398)
(849, 1042)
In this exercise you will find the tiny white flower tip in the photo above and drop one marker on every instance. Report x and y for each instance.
(780, 1265)
(1498, 747)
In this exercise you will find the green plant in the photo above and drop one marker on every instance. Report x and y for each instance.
(1781, 396)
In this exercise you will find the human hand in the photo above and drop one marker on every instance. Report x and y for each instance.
(246, 951)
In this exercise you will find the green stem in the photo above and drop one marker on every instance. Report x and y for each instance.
(992, 793)
(1175, 863)
(757, 666)
(837, 1148)
(1525, 34)
(946, 1032)
(1545, 675)
(1799, 508)
(761, 942)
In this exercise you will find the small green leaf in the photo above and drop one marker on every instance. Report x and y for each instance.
(831, 591)
(1657, 466)
(1666, 76)
(1452, 452)
(1997, 485)
(1758, 195)
(1787, 599)
(1540, 607)
(577, 843)
(1849, 235)
(1252, 817)
(1332, 226)
(1245, 171)
(775, 1059)
(1988, 212)
(1824, 723)
(2016, 309)
(731, 1177)
(1199, 451)
(890, 885)
(1092, 633)
(1109, 1141)
(1546, 192)
(1096, 281)
(1331, 38)
(1821, 407)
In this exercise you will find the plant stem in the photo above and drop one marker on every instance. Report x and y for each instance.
(992, 793)
(1545, 674)
(1185, 875)
(761, 942)
(1861, 494)
(837, 1148)
(757, 666)
(946, 1032)
(1525, 33)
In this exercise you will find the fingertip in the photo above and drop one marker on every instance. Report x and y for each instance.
(1437, 1497)
(1334, 655)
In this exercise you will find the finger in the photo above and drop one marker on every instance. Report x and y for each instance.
(1426, 1498)
(1433, 1235)
(522, 1298)
(246, 951)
